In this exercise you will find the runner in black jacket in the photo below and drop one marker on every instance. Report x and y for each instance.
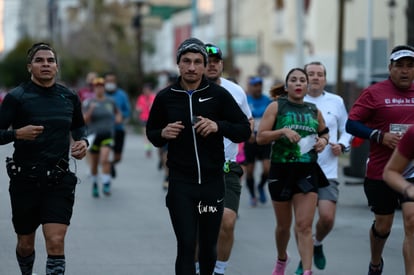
(43, 117)
(192, 116)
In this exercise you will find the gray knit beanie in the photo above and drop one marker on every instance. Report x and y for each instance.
(193, 45)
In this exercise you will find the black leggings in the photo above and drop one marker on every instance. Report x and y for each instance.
(196, 211)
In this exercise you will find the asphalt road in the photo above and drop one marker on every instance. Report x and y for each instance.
(130, 231)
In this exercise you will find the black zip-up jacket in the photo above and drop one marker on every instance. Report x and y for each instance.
(191, 157)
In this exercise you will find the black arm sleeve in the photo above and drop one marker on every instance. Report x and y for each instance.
(358, 129)
(156, 122)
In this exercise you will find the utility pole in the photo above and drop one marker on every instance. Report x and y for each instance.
(137, 24)
(341, 13)
(391, 40)
(410, 22)
(368, 45)
(300, 41)
(53, 21)
(229, 62)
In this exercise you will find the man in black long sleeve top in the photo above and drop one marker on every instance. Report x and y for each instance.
(192, 116)
(41, 117)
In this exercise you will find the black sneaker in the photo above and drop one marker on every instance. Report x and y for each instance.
(376, 269)
(95, 190)
(215, 273)
(318, 257)
(107, 189)
(262, 194)
(299, 270)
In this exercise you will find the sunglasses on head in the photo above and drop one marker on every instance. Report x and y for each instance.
(212, 50)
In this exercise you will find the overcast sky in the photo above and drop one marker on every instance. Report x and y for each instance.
(9, 22)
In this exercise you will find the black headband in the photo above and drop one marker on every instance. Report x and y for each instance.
(37, 47)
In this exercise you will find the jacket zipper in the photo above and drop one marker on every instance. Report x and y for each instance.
(194, 133)
(194, 138)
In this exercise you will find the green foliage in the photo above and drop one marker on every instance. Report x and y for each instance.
(106, 42)
(71, 68)
(13, 70)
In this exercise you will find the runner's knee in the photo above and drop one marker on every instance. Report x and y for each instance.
(378, 235)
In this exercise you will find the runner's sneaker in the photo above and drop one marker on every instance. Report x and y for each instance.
(376, 269)
(318, 257)
(262, 194)
(280, 266)
(299, 270)
(95, 190)
(107, 189)
(215, 273)
(253, 202)
(308, 272)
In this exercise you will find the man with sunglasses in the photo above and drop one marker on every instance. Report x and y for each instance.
(192, 116)
(44, 116)
(232, 170)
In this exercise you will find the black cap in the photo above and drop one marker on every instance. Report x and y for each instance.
(213, 50)
(37, 47)
(193, 45)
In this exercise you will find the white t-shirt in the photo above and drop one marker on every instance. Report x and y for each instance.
(334, 112)
(231, 148)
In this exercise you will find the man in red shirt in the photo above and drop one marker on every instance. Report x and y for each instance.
(395, 174)
(379, 114)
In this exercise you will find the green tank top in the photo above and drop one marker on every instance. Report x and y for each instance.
(302, 118)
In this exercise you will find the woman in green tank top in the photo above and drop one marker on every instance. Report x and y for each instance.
(298, 133)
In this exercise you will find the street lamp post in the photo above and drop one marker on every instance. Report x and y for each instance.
(137, 24)
(391, 5)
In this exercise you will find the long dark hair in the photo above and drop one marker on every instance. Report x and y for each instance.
(291, 71)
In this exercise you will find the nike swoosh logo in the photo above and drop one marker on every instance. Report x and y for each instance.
(272, 180)
(218, 201)
(204, 99)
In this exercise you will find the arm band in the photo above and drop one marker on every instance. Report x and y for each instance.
(324, 131)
